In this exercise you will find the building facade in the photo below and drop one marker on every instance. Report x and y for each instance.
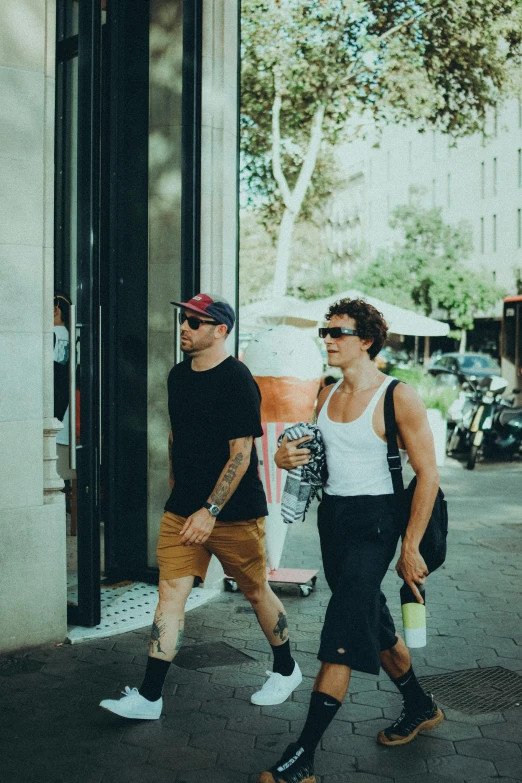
(477, 179)
(119, 189)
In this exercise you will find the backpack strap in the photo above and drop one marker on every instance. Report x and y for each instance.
(391, 431)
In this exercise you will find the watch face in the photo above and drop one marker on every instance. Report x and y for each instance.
(214, 510)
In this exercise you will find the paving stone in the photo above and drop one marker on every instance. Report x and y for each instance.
(461, 767)
(475, 720)
(194, 722)
(187, 758)
(229, 708)
(509, 768)
(205, 690)
(486, 748)
(377, 698)
(393, 760)
(218, 776)
(454, 731)
(152, 734)
(349, 744)
(173, 703)
(229, 676)
(255, 761)
(510, 731)
(370, 728)
(275, 743)
(355, 777)
(326, 763)
(257, 724)
(56, 772)
(220, 740)
(289, 711)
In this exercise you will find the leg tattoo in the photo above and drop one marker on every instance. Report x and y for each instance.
(158, 627)
(179, 640)
(281, 628)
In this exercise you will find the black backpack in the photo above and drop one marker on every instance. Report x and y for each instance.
(433, 544)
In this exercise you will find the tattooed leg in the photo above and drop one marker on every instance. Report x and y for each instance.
(167, 629)
(270, 613)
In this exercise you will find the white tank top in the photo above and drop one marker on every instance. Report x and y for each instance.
(355, 454)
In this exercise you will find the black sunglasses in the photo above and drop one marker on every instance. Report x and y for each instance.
(335, 331)
(194, 323)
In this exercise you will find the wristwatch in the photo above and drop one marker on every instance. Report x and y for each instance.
(212, 509)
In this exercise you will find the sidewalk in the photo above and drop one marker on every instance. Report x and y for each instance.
(51, 729)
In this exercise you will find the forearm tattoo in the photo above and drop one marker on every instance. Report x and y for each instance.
(281, 628)
(222, 490)
(158, 627)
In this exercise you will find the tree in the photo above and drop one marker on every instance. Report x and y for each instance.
(312, 68)
(426, 271)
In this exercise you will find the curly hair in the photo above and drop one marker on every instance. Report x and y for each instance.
(369, 321)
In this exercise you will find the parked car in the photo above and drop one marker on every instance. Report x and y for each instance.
(451, 368)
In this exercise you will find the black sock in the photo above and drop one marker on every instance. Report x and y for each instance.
(155, 674)
(411, 691)
(283, 662)
(323, 709)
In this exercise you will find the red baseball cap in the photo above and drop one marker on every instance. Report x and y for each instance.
(213, 307)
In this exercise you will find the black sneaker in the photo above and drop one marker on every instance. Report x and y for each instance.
(296, 765)
(409, 723)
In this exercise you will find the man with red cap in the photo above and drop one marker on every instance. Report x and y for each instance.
(217, 504)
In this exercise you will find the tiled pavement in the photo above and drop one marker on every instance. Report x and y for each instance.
(52, 729)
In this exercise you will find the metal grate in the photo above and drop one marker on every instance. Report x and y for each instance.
(476, 691)
(199, 656)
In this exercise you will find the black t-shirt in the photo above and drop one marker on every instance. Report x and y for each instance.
(208, 409)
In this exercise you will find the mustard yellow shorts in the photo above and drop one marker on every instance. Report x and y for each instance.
(239, 547)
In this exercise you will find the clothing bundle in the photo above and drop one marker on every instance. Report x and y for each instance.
(303, 482)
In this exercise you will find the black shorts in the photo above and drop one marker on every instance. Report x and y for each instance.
(359, 537)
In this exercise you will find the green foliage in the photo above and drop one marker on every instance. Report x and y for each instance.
(442, 63)
(426, 270)
(432, 395)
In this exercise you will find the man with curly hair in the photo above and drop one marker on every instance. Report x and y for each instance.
(359, 529)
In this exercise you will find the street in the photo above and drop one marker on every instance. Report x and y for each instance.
(52, 729)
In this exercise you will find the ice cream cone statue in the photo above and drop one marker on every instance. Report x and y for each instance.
(287, 366)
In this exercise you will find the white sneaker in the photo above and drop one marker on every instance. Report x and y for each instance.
(134, 705)
(277, 688)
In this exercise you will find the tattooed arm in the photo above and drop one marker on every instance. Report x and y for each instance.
(199, 526)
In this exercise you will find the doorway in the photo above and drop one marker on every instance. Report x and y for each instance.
(101, 267)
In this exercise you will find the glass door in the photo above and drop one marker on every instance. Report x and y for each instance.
(77, 274)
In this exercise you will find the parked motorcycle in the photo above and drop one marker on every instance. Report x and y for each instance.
(496, 428)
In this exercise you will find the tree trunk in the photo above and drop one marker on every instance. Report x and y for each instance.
(426, 352)
(463, 339)
(284, 246)
(293, 201)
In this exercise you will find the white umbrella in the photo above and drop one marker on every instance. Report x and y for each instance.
(399, 320)
(272, 312)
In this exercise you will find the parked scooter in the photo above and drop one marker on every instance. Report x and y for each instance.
(496, 428)
(460, 417)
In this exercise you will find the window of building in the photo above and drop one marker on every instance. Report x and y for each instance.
(519, 228)
(482, 179)
(481, 234)
(494, 176)
(494, 233)
(519, 167)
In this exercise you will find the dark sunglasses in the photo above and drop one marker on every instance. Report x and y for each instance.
(194, 323)
(335, 331)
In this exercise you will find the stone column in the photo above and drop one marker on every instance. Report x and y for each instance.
(219, 171)
(32, 530)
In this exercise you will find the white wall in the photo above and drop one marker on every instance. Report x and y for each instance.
(32, 512)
